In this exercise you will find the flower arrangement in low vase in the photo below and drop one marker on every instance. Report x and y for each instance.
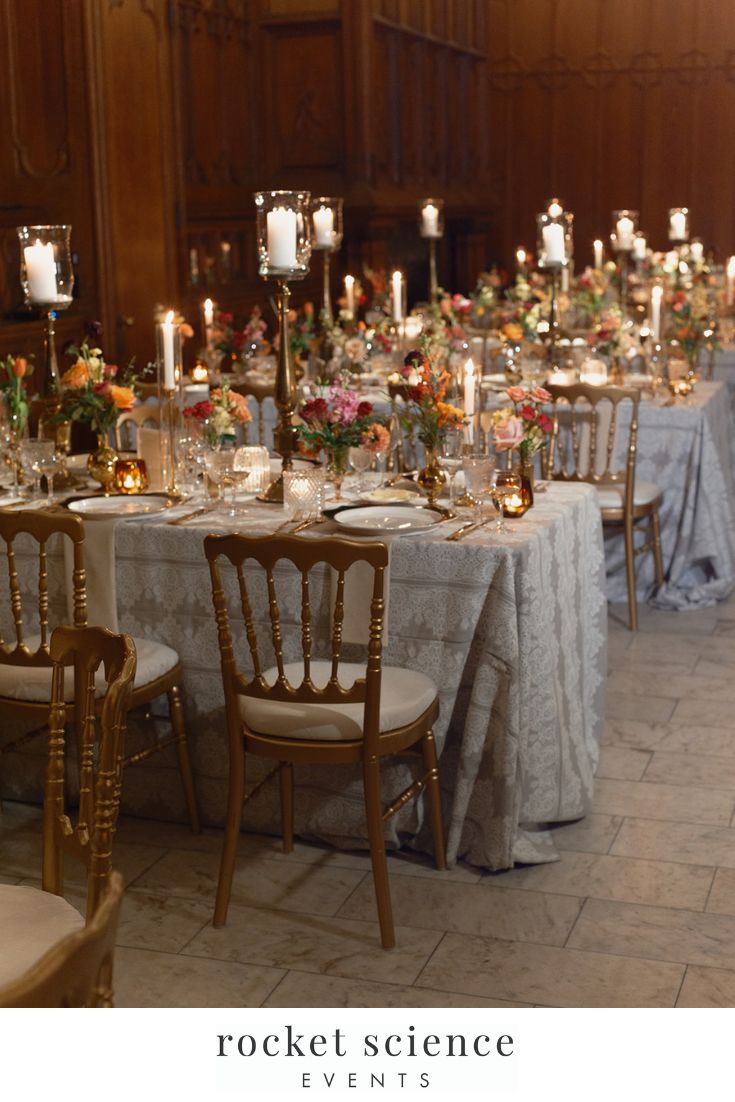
(691, 323)
(336, 423)
(430, 416)
(523, 427)
(220, 415)
(13, 396)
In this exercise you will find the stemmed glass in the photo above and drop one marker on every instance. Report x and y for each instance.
(478, 471)
(50, 465)
(452, 447)
(360, 460)
(505, 485)
(33, 453)
(225, 471)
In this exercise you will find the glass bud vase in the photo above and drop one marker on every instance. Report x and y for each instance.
(337, 469)
(431, 478)
(525, 470)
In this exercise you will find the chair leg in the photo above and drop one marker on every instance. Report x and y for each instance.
(285, 773)
(182, 752)
(373, 809)
(433, 794)
(630, 573)
(235, 801)
(658, 559)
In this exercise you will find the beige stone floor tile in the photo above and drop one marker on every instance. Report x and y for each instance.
(15, 815)
(701, 621)
(679, 645)
(638, 683)
(656, 933)
(258, 881)
(711, 741)
(668, 767)
(312, 943)
(473, 909)
(711, 666)
(722, 897)
(707, 988)
(168, 835)
(689, 843)
(21, 855)
(634, 734)
(664, 801)
(623, 879)
(304, 989)
(710, 713)
(725, 627)
(648, 709)
(403, 862)
(154, 979)
(543, 974)
(620, 763)
(617, 646)
(593, 834)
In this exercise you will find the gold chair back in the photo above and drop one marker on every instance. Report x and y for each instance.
(99, 735)
(304, 554)
(129, 419)
(260, 391)
(41, 526)
(77, 972)
(593, 415)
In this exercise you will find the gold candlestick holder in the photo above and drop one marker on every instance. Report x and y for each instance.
(433, 282)
(327, 313)
(285, 433)
(554, 318)
(169, 394)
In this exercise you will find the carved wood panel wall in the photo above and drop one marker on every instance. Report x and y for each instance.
(612, 105)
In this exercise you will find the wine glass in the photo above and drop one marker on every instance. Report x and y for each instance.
(478, 471)
(452, 447)
(505, 485)
(32, 455)
(360, 460)
(50, 465)
(222, 469)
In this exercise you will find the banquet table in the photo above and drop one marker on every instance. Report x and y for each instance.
(511, 628)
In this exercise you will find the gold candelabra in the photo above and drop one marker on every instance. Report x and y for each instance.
(285, 433)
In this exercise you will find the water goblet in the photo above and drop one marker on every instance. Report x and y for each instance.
(452, 448)
(32, 455)
(478, 471)
(50, 465)
(221, 469)
(360, 460)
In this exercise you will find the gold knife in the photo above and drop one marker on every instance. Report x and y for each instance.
(190, 516)
(467, 528)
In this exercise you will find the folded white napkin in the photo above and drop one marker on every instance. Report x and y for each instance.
(153, 449)
(359, 581)
(99, 562)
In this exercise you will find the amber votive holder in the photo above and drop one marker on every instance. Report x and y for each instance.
(131, 476)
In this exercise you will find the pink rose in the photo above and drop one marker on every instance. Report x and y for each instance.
(508, 433)
(516, 393)
(539, 394)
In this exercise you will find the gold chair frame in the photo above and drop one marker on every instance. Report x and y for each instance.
(305, 554)
(41, 525)
(260, 391)
(628, 514)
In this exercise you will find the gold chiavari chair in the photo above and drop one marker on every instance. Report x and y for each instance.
(25, 663)
(593, 413)
(260, 391)
(34, 920)
(146, 414)
(319, 711)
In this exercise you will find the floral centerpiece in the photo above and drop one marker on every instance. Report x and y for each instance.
(429, 414)
(13, 371)
(612, 336)
(220, 415)
(484, 299)
(523, 427)
(691, 323)
(336, 423)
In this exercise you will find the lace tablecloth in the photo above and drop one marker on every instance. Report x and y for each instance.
(688, 449)
(513, 631)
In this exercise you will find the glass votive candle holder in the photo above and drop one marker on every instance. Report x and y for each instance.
(304, 490)
(256, 461)
(131, 476)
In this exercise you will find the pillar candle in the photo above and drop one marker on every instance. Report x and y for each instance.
(430, 220)
(168, 352)
(730, 291)
(624, 233)
(350, 294)
(41, 272)
(282, 238)
(397, 296)
(697, 250)
(565, 280)
(469, 398)
(520, 258)
(677, 225)
(554, 243)
(597, 246)
(656, 295)
(208, 321)
(324, 227)
(639, 247)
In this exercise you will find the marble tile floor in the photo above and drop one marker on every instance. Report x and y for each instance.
(639, 911)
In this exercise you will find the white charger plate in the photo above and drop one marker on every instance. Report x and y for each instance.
(396, 519)
(121, 505)
(390, 496)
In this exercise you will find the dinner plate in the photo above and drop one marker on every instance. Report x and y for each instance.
(390, 495)
(395, 519)
(120, 505)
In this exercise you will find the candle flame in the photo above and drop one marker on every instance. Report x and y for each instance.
(731, 266)
(397, 277)
(349, 280)
(469, 368)
(520, 254)
(169, 317)
(656, 293)
(555, 208)
(208, 304)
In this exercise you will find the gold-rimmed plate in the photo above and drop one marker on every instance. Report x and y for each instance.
(119, 506)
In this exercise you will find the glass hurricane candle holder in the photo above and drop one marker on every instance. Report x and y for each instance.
(554, 247)
(283, 228)
(679, 224)
(431, 218)
(131, 476)
(168, 355)
(625, 225)
(326, 224)
(304, 491)
(46, 272)
(254, 459)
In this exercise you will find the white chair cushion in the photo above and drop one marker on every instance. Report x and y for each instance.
(613, 496)
(33, 683)
(404, 695)
(31, 922)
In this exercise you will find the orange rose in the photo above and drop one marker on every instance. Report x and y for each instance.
(122, 396)
(513, 331)
(76, 376)
(20, 366)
